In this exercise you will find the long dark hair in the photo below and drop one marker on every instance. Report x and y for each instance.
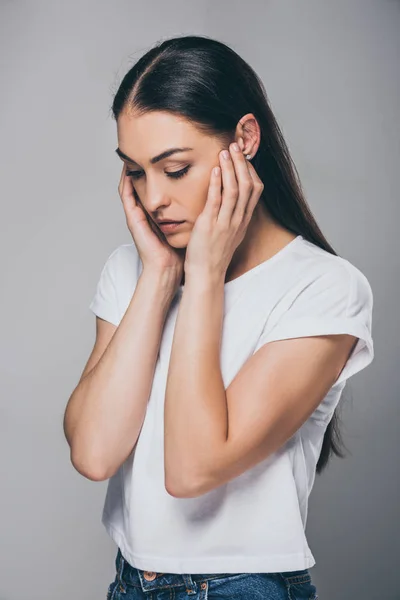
(207, 82)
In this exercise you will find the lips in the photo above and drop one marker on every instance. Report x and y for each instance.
(168, 222)
(170, 227)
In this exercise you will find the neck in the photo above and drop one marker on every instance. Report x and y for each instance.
(264, 238)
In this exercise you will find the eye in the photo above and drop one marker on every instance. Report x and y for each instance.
(178, 174)
(171, 174)
(135, 174)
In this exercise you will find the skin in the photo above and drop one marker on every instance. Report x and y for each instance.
(141, 137)
(211, 435)
(102, 428)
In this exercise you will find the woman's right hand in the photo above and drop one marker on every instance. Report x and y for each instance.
(154, 250)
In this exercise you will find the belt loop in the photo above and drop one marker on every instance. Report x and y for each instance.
(191, 586)
(121, 571)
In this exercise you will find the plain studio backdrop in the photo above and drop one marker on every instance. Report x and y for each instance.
(331, 72)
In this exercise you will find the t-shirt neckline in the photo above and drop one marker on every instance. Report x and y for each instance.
(239, 280)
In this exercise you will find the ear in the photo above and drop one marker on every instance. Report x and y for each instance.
(248, 134)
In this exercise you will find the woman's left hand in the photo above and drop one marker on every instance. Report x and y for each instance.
(222, 225)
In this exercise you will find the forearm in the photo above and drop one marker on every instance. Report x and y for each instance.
(109, 405)
(195, 417)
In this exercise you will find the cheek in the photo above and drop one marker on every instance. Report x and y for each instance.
(197, 191)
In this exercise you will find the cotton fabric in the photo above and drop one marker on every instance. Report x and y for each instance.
(255, 522)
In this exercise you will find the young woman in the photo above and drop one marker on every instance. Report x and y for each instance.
(224, 340)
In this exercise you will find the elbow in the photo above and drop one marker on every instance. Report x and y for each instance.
(184, 487)
(180, 492)
(185, 481)
(89, 460)
(89, 468)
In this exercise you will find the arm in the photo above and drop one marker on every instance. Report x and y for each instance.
(106, 410)
(213, 435)
(195, 411)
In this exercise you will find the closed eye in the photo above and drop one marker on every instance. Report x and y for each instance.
(171, 174)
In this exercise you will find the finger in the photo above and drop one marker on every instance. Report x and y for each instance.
(214, 198)
(145, 217)
(121, 179)
(127, 192)
(258, 188)
(230, 189)
(245, 182)
(253, 173)
(125, 183)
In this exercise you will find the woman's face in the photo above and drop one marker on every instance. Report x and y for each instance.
(164, 192)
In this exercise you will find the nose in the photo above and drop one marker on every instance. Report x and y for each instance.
(156, 197)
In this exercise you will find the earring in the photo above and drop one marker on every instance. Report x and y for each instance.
(248, 156)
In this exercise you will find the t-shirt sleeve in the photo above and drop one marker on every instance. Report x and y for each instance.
(337, 301)
(105, 301)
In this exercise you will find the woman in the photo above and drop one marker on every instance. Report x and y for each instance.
(223, 343)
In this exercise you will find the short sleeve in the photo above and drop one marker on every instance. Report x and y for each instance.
(337, 301)
(105, 301)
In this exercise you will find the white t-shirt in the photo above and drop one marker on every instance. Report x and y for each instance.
(255, 522)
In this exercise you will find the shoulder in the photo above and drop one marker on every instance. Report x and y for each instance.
(124, 261)
(321, 294)
(116, 284)
(322, 271)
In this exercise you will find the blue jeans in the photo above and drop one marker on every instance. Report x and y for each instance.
(131, 583)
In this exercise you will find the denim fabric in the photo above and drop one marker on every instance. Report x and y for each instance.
(131, 583)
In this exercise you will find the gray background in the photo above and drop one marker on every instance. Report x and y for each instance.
(331, 72)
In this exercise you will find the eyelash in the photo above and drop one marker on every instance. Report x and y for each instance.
(172, 175)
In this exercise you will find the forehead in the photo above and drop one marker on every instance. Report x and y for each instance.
(142, 137)
(152, 132)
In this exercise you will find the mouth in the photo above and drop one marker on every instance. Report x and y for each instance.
(169, 226)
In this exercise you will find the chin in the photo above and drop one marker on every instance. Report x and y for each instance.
(178, 243)
(178, 240)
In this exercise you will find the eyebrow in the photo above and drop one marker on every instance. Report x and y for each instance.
(155, 159)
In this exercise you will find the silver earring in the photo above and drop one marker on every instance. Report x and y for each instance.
(248, 156)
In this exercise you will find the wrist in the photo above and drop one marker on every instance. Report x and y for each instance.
(204, 280)
(165, 281)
